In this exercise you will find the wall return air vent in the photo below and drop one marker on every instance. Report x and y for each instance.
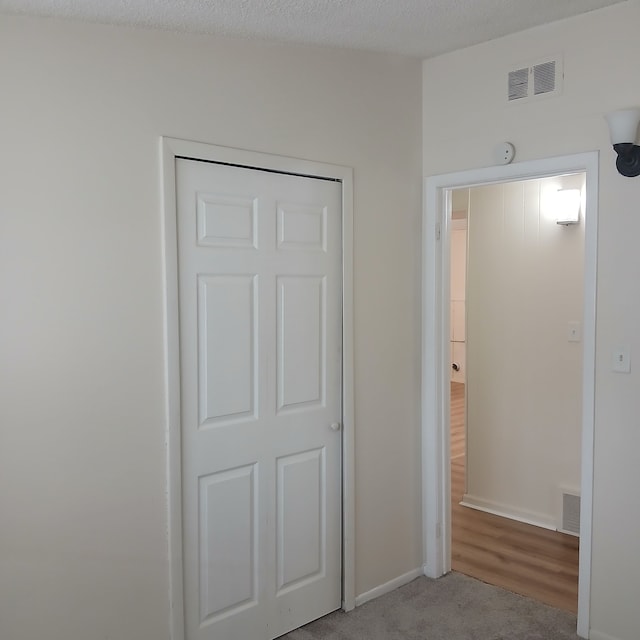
(532, 81)
(569, 512)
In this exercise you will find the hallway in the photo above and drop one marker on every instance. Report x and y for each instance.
(529, 560)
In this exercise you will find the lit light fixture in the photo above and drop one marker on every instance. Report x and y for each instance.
(567, 206)
(623, 128)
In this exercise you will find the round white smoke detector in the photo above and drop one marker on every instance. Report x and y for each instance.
(503, 153)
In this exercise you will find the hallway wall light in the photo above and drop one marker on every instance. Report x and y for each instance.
(567, 206)
(623, 129)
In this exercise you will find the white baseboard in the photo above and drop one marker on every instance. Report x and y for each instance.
(380, 590)
(506, 511)
(598, 635)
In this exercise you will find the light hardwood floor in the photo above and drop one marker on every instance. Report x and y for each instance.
(529, 560)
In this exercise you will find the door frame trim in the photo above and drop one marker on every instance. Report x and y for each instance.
(436, 489)
(170, 149)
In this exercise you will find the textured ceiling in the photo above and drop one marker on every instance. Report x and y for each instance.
(422, 28)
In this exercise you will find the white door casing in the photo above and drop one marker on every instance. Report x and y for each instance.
(435, 357)
(260, 280)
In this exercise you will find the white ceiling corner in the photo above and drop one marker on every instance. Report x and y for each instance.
(421, 28)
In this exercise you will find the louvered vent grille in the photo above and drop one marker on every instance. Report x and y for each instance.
(544, 77)
(571, 513)
(519, 84)
(540, 78)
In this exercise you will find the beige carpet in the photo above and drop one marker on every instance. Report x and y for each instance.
(454, 607)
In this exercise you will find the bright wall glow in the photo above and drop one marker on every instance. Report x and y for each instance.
(567, 206)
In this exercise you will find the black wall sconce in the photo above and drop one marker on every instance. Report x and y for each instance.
(623, 128)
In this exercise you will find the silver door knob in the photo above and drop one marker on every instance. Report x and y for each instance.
(335, 426)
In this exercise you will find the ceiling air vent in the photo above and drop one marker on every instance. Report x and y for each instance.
(518, 84)
(530, 82)
(544, 77)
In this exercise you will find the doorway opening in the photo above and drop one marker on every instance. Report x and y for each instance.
(437, 230)
(516, 278)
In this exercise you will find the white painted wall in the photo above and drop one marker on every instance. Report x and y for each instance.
(601, 50)
(83, 549)
(524, 378)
